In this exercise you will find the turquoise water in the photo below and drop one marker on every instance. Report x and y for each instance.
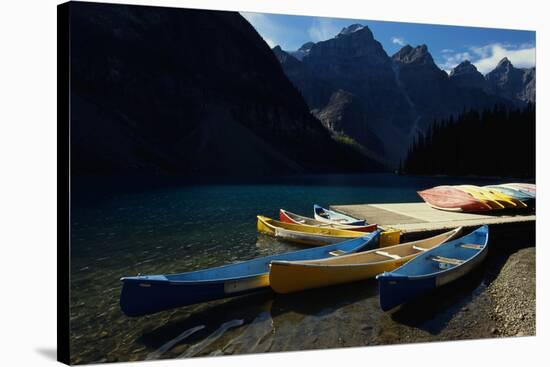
(123, 227)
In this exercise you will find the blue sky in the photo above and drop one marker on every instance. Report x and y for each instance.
(449, 45)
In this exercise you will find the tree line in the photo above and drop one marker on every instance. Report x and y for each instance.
(494, 142)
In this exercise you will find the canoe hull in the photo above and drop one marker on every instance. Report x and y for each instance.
(400, 290)
(166, 295)
(418, 277)
(292, 278)
(452, 199)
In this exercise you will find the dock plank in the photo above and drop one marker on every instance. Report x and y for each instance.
(421, 218)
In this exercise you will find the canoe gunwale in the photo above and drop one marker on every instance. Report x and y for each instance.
(194, 282)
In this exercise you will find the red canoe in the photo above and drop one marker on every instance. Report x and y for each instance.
(288, 217)
(450, 198)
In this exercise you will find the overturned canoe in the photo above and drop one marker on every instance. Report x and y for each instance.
(505, 199)
(531, 188)
(293, 276)
(316, 236)
(513, 192)
(481, 196)
(432, 269)
(452, 199)
(330, 216)
(147, 294)
(289, 217)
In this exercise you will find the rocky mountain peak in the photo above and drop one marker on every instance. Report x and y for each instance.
(306, 46)
(416, 55)
(505, 63)
(356, 29)
(465, 67)
(466, 75)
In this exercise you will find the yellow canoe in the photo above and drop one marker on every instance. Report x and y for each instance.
(317, 236)
(506, 200)
(503, 198)
(484, 197)
(294, 276)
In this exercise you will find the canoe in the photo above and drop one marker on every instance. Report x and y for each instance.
(432, 269)
(513, 192)
(522, 189)
(147, 294)
(293, 276)
(330, 216)
(532, 188)
(452, 199)
(316, 236)
(481, 196)
(289, 217)
(504, 198)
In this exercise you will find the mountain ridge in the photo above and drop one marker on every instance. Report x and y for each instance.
(395, 97)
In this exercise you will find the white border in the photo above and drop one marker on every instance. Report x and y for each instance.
(28, 162)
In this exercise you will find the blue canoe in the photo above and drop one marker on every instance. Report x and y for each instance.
(513, 192)
(432, 269)
(330, 216)
(147, 294)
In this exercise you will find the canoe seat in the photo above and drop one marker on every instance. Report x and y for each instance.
(337, 252)
(447, 260)
(471, 246)
(384, 253)
(420, 248)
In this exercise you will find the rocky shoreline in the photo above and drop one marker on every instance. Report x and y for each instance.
(503, 305)
(514, 295)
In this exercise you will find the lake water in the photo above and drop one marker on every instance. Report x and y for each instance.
(125, 227)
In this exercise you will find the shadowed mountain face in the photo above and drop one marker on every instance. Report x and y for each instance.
(465, 75)
(162, 90)
(512, 83)
(382, 102)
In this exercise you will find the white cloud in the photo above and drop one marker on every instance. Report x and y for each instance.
(447, 50)
(452, 60)
(323, 29)
(485, 58)
(490, 55)
(398, 41)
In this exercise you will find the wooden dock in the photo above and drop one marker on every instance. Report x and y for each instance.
(419, 219)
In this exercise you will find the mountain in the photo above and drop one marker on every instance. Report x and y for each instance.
(512, 83)
(465, 75)
(383, 102)
(302, 51)
(355, 63)
(426, 86)
(314, 90)
(344, 115)
(178, 91)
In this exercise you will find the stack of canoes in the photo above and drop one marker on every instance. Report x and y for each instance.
(470, 198)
